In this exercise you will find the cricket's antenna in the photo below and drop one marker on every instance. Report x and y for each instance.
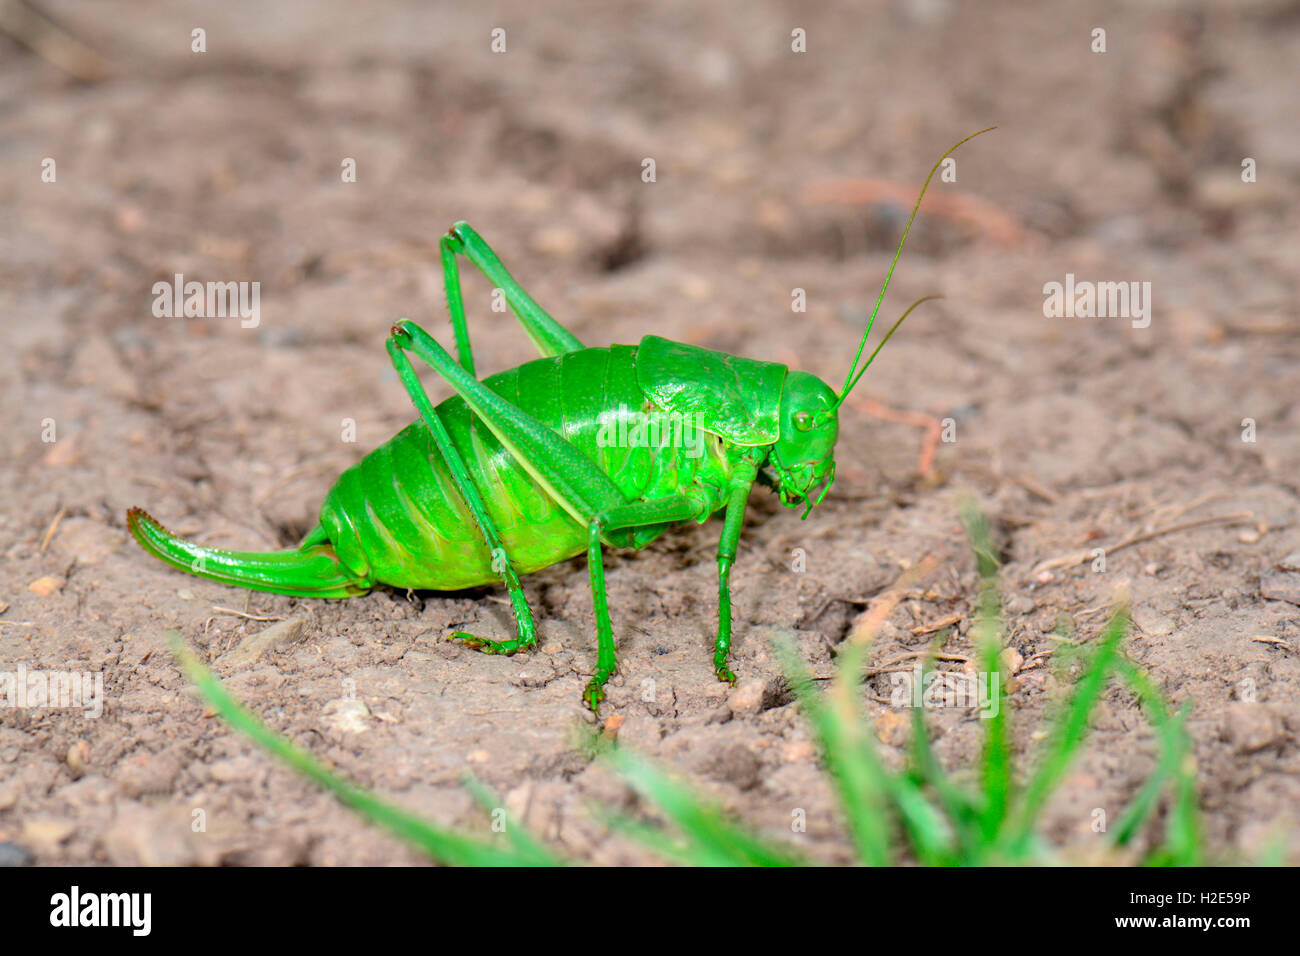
(892, 329)
(854, 372)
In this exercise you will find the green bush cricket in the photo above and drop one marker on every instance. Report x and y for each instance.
(517, 471)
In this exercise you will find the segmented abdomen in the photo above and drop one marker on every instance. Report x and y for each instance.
(398, 514)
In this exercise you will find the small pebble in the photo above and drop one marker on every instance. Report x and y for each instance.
(1021, 604)
(557, 241)
(77, 756)
(228, 771)
(46, 586)
(798, 751)
(1251, 727)
(738, 764)
(147, 773)
(1152, 623)
(47, 833)
(347, 716)
(11, 854)
(142, 836)
(747, 696)
(696, 288)
(891, 728)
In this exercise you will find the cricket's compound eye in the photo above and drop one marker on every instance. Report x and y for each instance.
(803, 456)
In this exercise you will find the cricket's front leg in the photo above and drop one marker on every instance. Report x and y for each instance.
(631, 515)
(738, 494)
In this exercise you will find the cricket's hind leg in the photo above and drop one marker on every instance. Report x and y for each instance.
(525, 629)
(550, 337)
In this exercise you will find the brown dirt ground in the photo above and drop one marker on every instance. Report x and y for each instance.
(1074, 433)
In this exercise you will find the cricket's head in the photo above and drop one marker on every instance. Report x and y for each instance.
(803, 457)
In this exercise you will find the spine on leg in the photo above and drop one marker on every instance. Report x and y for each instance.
(312, 570)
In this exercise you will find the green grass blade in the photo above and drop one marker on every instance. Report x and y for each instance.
(442, 845)
(996, 760)
(659, 842)
(1070, 728)
(1172, 748)
(712, 839)
(859, 779)
(867, 790)
(931, 835)
(1171, 736)
(961, 808)
(517, 834)
(1183, 844)
(976, 522)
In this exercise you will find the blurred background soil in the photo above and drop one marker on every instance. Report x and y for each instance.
(774, 171)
